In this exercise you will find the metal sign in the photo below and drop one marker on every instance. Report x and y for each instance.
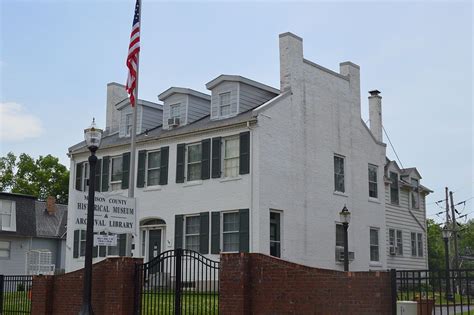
(105, 240)
(112, 213)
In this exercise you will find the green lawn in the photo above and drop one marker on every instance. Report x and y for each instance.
(192, 303)
(16, 303)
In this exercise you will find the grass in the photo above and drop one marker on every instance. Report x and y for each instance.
(191, 302)
(16, 303)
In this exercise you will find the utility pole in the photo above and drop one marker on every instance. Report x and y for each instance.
(455, 231)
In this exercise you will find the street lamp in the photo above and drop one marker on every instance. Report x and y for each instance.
(345, 217)
(446, 236)
(92, 135)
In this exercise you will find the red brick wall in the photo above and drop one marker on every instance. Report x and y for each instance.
(260, 284)
(112, 289)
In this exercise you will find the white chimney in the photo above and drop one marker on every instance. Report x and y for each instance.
(291, 62)
(375, 114)
(115, 94)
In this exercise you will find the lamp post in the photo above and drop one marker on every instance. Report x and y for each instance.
(446, 236)
(345, 217)
(92, 135)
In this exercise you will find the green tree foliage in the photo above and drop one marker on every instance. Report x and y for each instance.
(41, 178)
(436, 260)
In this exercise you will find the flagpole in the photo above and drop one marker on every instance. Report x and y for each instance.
(131, 183)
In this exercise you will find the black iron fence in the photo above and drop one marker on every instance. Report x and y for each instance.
(178, 281)
(435, 291)
(15, 294)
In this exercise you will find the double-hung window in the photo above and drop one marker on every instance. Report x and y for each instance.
(415, 194)
(230, 231)
(374, 244)
(7, 215)
(116, 172)
(417, 244)
(153, 168)
(396, 240)
(4, 249)
(191, 232)
(339, 173)
(194, 161)
(231, 156)
(275, 234)
(224, 104)
(373, 181)
(175, 111)
(394, 199)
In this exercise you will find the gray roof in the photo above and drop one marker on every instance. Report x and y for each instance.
(157, 133)
(50, 225)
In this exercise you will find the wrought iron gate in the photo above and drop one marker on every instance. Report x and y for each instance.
(178, 281)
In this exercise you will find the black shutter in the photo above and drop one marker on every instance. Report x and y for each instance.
(206, 159)
(122, 244)
(164, 158)
(178, 231)
(141, 169)
(75, 248)
(244, 162)
(98, 168)
(204, 233)
(180, 163)
(105, 173)
(79, 176)
(125, 170)
(215, 232)
(244, 230)
(216, 157)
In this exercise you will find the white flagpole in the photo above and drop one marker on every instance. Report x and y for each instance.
(131, 183)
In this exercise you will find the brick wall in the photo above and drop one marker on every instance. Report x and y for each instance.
(112, 289)
(260, 284)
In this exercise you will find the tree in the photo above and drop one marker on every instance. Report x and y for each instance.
(436, 259)
(41, 178)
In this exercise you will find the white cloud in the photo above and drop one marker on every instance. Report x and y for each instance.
(17, 124)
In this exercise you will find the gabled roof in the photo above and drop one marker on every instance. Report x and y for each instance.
(50, 225)
(179, 90)
(237, 78)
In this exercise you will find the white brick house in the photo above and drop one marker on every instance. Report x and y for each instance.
(251, 168)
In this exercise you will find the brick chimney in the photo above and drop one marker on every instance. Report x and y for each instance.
(375, 114)
(51, 205)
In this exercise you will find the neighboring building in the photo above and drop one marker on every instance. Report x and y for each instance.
(32, 235)
(248, 168)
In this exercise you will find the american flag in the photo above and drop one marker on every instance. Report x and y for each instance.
(132, 58)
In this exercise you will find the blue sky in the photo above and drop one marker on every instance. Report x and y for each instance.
(56, 58)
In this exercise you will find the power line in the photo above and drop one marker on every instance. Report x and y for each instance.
(393, 148)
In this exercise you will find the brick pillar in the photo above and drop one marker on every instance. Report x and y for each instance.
(234, 278)
(42, 295)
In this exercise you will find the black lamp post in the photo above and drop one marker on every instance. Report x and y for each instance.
(446, 236)
(92, 135)
(345, 217)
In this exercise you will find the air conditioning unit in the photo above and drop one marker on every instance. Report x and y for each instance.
(340, 254)
(393, 250)
(173, 122)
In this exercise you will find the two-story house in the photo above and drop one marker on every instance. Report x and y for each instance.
(248, 167)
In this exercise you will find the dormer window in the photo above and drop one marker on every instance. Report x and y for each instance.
(128, 124)
(415, 194)
(175, 110)
(224, 104)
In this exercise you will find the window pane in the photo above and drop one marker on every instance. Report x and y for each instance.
(231, 242)
(339, 235)
(154, 159)
(231, 222)
(153, 177)
(192, 225)
(116, 169)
